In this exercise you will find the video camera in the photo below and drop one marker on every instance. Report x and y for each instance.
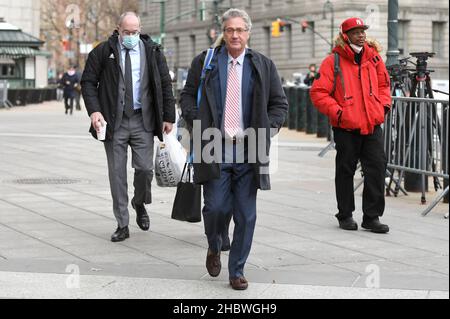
(397, 71)
(421, 65)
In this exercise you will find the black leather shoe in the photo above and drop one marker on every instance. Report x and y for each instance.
(120, 235)
(142, 218)
(348, 224)
(375, 226)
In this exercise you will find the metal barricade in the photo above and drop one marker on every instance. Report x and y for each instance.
(416, 141)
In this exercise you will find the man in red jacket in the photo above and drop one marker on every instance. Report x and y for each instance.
(356, 99)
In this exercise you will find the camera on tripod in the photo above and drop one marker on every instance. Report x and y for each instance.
(421, 65)
(397, 71)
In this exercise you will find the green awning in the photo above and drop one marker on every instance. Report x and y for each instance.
(18, 37)
(18, 52)
(47, 54)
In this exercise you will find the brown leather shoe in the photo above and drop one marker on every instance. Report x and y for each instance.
(239, 283)
(213, 264)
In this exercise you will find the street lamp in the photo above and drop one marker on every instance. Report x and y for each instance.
(328, 5)
(92, 16)
(162, 20)
(393, 52)
(217, 3)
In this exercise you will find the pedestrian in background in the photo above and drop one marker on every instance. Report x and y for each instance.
(126, 83)
(242, 91)
(70, 82)
(356, 99)
(309, 79)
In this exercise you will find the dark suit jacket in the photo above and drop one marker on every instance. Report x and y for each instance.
(100, 84)
(265, 105)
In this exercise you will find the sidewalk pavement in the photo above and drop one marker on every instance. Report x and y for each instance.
(56, 221)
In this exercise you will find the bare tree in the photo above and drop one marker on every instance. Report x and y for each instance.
(93, 22)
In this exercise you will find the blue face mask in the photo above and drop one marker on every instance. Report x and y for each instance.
(130, 41)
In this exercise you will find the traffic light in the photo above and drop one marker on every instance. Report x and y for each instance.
(276, 29)
(304, 26)
(65, 44)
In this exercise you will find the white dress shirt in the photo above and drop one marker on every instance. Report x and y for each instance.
(135, 57)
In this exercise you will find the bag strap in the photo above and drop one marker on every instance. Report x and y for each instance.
(187, 166)
(337, 71)
(206, 64)
(208, 59)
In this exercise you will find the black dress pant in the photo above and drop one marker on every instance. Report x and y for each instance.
(352, 147)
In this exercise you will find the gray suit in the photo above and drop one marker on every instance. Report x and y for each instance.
(138, 132)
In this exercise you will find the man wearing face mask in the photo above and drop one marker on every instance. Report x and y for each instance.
(356, 99)
(126, 84)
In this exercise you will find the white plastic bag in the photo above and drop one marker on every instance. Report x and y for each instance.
(169, 161)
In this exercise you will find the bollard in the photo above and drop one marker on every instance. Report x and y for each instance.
(29, 95)
(444, 143)
(323, 128)
(286, 92)
(301, 109)
(292, 114)
(12, 96)
(311, 116)
(413, 181)
(322, 125)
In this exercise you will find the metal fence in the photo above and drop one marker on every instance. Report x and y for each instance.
(416, 142)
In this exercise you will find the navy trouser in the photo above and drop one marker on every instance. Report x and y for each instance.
(235, 191)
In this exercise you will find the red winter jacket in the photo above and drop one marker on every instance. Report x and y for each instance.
(367, 89)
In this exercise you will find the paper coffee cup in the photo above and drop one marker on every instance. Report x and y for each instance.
(101, 135)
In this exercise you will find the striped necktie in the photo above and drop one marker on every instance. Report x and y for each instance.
(232, 120)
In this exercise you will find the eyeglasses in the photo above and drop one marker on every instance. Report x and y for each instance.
(132, 33)
(231, 31)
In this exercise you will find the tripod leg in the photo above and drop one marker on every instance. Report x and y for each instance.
(435, 202)
(397, 183)
(329, 147)
(389, 184)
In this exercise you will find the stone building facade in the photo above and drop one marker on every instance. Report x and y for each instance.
(423, 26)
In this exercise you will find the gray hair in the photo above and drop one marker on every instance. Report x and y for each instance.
(237, 13)
(126, 14)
